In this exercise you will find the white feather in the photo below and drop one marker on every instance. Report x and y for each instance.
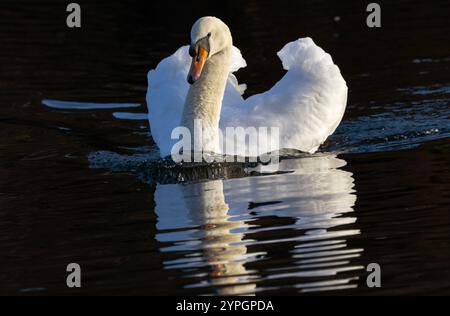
(307, 104)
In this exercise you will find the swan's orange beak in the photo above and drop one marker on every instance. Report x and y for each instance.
(198, 61)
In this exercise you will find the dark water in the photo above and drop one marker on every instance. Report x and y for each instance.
(80, 185)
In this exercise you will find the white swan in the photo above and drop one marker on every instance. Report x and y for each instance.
(307, 104)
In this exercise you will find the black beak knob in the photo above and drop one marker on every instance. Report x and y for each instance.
(192, 51)
(190, 79)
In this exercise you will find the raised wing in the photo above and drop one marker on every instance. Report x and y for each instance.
(307, 104)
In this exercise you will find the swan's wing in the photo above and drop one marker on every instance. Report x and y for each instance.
(307, 104)
(232, 100)
(167, 90)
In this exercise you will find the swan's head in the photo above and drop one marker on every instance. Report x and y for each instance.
(209, 36)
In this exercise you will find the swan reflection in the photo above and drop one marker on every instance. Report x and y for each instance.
(226, 230)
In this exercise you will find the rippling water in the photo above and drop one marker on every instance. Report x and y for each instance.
(216, 228)
(81, 181)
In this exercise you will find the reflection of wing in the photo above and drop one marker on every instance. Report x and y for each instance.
(320, 199)
(315, 188)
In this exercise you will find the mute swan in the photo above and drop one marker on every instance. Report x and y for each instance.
(306, 105)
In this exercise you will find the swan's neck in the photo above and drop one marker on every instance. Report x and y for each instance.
(204, 99)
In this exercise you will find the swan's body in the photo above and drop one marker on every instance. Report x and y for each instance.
(307, 104)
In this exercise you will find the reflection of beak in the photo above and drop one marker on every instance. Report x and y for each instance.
(198, 61)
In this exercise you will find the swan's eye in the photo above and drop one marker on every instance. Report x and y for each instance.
(209, 34)
(192, 52)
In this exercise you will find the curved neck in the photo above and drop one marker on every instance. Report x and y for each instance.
(204, 99)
